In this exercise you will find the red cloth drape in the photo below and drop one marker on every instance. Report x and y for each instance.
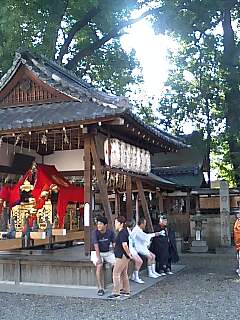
(5, 193)
(70, 194)
(46, 176)
(14, 196)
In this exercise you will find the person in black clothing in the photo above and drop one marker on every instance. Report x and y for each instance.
(102, 238)
(123, 256)
(164, 247)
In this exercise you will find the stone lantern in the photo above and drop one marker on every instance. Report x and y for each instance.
(198, 244)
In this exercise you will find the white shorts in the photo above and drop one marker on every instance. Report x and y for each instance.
(133, 251)
(105, 256)
(144, 252)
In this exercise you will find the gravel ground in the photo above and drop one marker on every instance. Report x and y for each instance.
(207, 289)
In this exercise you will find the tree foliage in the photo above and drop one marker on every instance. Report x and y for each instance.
(82, 35)
(212, 97)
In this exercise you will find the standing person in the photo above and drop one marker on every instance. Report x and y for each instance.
(123, 256)
(102, 238)
(164, 247)
(136, 258)
(236, 233)
(142, 242)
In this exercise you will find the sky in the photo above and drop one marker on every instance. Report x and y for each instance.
(151, 51)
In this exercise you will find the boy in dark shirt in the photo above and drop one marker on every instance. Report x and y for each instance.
(102, 238)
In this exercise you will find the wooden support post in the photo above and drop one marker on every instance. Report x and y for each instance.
(129, 197)
(101, 183)
(117, 204)
(188, 203)
(87, 194)
(160, 201)
(137, 209)
(144, 204)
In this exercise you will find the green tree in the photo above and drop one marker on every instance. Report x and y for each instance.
(82, 35)
(195, 22)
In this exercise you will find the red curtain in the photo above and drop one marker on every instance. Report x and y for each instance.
(70, 194)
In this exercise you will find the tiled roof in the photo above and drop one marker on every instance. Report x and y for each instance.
(182, 176)
(52, 113)
(89, 103)
(61, 79)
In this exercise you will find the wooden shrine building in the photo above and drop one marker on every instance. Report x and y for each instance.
(48, 113)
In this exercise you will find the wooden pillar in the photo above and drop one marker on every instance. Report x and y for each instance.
(87, 194)
(160, 201)
(117, 204)
(137, 209)
(129, 197)
(188, 202)
(144, 204)
(101, 183)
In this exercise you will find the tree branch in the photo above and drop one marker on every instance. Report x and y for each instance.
(75, 28)
(50, 37)
(88, 50)
(59, 23)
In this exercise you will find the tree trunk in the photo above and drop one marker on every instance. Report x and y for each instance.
(232, 93)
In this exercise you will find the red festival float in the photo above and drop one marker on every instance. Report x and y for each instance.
(40, 197)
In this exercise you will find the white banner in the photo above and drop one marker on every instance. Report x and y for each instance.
(119, 154)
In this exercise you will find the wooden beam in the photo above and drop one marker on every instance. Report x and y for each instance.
(144, 204)
(87, 192)
(101, 183)
(129, 197)
(116, 122)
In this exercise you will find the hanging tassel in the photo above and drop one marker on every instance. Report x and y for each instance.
(21, 148)
(70, 140)
(29, 141)
(65, 139)
(54, 141)
(15, 143)
(7, 146)
(38, 142)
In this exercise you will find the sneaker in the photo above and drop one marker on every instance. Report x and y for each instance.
(100, 292)
(152, 275)
(132, 277)
(169, 272)
(163, 274)
(125, 294)
(157, 274)
(138, 280)
(114, 296)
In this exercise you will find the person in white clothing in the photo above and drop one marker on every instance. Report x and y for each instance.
(142, 241)
(135, 256)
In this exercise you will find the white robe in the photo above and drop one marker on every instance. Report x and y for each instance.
(141, 240)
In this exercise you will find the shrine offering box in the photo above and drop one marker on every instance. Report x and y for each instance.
(59, 232)
(38, 235)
